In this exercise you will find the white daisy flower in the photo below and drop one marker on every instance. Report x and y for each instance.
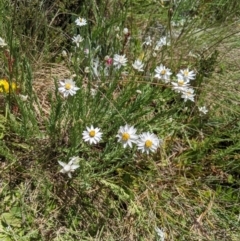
(203, 110)
(77, 39)
(127, 135)
(161, 42)
(119, 60)
(163, 73)
(2, 42)
(180, 86)
(138, 65)
(92, 135)
(81, 21)
(69, 167)
(188, 94)
(160, 234)
(148, 41)
(68, 87)
(186, 75)
(148, 142)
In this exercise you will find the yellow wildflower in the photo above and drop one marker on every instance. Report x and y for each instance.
(5, 86)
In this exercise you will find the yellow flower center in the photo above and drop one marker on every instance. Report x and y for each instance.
(148, 143)
(185, 72)
(68, 86)
(163, 71)
(181, 82)
(92, 133)
(125, 136)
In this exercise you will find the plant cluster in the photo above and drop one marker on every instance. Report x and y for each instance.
(123, 141)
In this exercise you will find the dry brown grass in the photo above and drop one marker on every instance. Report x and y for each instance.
(44, 84)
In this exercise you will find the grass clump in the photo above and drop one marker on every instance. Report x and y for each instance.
(121, 136)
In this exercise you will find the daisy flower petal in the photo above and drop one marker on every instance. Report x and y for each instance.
(63, 164)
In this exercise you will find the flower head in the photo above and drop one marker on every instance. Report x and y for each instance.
(5, 86)
(77, 39)
(188, 94)
(203, 110)
(81, 21)
(2, 42)
(119, 60)
(127, 135)
(180, 86)
(161, 42)
(148, 41)
(148, 142)
(138, 65)
(68, 87)
(92, 135)
(163, 73)
(160, 234)
(108, 61)
(186, 74)
(69, 167)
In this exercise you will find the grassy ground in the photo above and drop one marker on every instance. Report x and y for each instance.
(189, 188)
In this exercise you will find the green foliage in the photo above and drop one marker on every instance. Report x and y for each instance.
(207, 65)
(2, 126)
(209, 12)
